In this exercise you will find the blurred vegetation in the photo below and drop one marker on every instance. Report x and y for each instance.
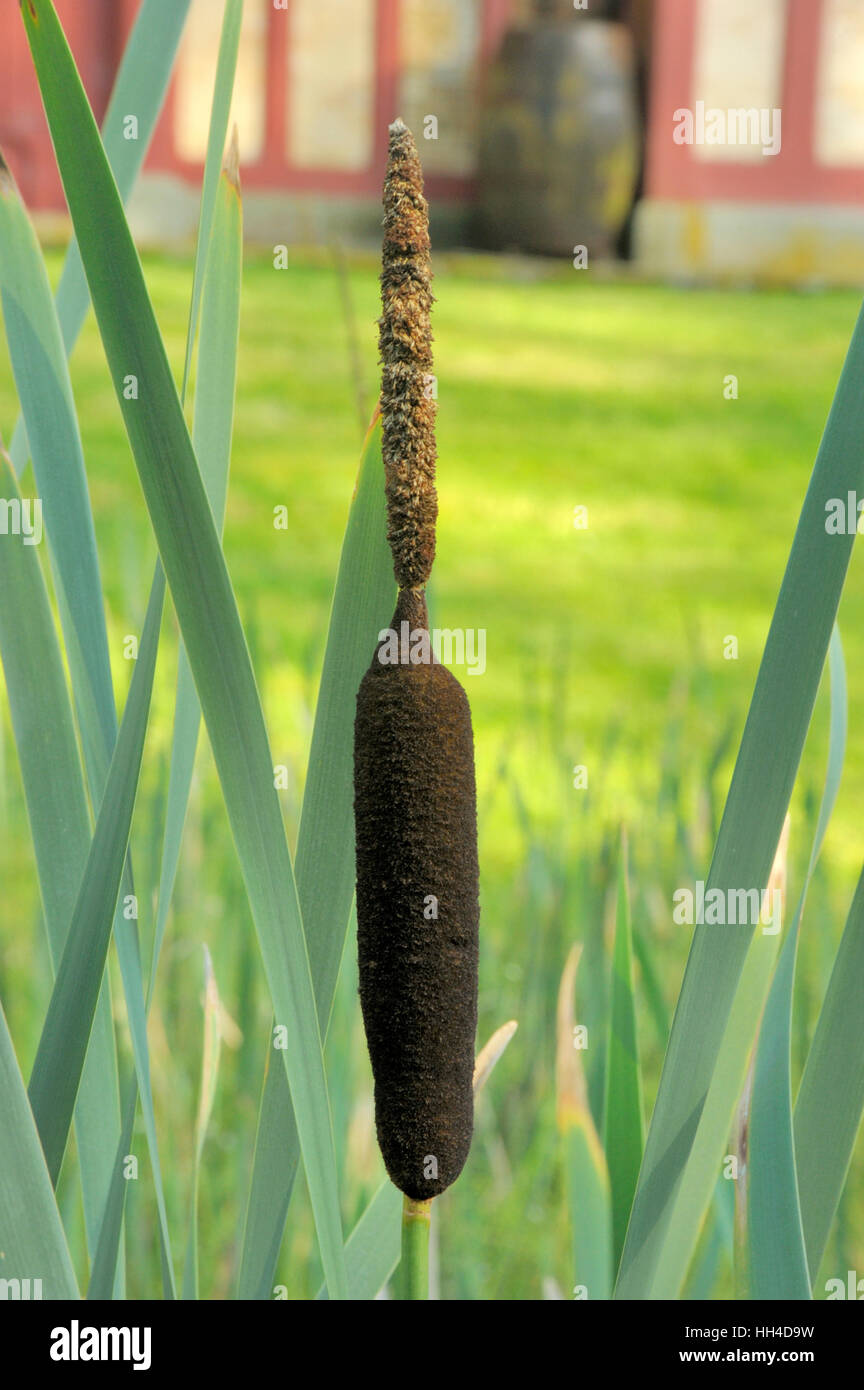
(605, 649)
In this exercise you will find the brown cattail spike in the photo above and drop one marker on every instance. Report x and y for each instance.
(418, 908)
(405, 343)
(415, 804)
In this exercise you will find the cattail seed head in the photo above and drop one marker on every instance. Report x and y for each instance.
(417, 909)
(405, 343)
(415, 805)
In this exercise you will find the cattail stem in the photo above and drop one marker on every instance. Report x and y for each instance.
(411, 1279)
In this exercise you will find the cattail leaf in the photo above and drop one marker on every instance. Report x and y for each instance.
(65, 1035)
(777, 1257)
(139, 87)
(45, 392)
(209, 1075)
(44, 729)
(361, 607)
(589, 1193)
(373, 1248)
(762, 782)
(491, 1053)
(44, 388)
(704, 1164)
(226, 66)
(735, 1053)
(32, 1240)
(203, 599)
(212, 428)
(830, 1099)
(623, 1125)
(714, 1246)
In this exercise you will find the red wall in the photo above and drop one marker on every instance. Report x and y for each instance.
(97, 31)
(792, 175)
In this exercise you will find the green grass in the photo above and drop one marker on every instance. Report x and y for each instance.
(604, 647)
(552, 393)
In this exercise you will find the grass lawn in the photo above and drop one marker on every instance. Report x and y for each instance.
(604, 648)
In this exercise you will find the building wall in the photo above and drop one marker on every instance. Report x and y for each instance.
(318, 82)
(723, 208)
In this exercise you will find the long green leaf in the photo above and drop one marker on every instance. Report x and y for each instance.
(373, 1248)
(362, 605)
(203, 598)
(831, 1096)
(44, 729)
(32, 1241)
(45, 392)
(623, 1126)
(65, 1036)
(209, 1075)
(214, 413)
(220, 256)
(758, 798)
(699, 1178)
(589, 1195)
(226, 66)
(777, 1258)
(139, 89)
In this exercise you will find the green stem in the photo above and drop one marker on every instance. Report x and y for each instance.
(411, 1278)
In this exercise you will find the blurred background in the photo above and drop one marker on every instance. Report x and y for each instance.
(625, 439)
(543, 123)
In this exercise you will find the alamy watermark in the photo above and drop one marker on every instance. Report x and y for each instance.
(844, 516)
(20, 1290)
(753, 126)
(728, 907)
(77, 1343)
(416, 647)
(21, 517)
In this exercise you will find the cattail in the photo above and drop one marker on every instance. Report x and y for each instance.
(414, 793)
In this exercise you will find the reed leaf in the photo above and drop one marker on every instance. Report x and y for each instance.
(361, 607)
(762, 782)
(139, 87)
(32, 1240)
(203, 598)
(623, 1125)
(44, 729)
(777, 1257)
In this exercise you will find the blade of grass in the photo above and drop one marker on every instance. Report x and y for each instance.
(362, 605)
(651, 987)
(44, 729)
(623, 1125)
(139, 88)
(32, 1240)
(220, 106)
(211, 436)
(203, 598)
(373, 1248)
(209, 1077)
(65, 1035)
(212, 429)
(45, 393)
(699, 1178)
(777, 1258)
(758, 798)
(831, 1095)
(588, 1188)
